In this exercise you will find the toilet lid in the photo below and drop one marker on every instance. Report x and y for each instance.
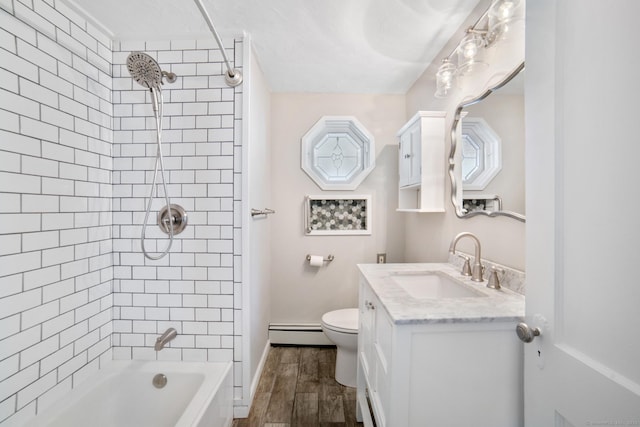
(345, 320)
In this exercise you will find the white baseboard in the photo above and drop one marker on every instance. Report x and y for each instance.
(259, 369)
(297, 334)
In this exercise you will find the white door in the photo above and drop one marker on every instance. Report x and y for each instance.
(583, 213)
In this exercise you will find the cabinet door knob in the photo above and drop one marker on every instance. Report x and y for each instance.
(526, 333)
(371, 306)
(406, 156)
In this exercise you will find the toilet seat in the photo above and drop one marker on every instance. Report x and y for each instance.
(344, 321)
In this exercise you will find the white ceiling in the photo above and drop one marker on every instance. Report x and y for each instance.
(340, 46)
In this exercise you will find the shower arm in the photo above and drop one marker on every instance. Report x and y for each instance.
(233, 76)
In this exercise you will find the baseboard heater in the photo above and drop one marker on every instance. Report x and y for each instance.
(297, 334)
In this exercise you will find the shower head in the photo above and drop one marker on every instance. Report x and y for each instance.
(146, 71)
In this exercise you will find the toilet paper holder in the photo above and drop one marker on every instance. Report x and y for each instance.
(327, 259)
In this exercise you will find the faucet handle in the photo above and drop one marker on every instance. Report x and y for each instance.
(494, 280)
(466, 267)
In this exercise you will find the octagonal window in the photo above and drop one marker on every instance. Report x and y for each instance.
(481, 154)
(338, 153)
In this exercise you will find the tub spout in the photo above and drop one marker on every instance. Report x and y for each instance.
(163, 339)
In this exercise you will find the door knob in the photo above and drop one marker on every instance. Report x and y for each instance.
(526, 333)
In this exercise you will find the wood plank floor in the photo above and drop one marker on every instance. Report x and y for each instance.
(297, 389)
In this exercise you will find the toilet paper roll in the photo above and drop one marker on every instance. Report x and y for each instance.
(316, 261)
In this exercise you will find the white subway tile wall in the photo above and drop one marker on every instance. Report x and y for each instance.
(55, 194)
(77, 150)
(192, 289)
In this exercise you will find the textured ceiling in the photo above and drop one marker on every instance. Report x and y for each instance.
(341, 46)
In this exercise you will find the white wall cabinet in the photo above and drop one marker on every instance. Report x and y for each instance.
(421, 163)
(410, 150)
(436, 374)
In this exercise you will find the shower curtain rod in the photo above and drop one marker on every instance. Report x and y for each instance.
(233, 76)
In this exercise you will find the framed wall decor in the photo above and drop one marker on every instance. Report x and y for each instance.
(337, 215)
(338, 153)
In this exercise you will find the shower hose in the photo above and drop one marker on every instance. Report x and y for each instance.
(157, 102)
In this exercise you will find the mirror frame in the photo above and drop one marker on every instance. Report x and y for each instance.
(454, 143)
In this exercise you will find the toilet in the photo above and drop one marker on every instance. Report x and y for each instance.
(341, 327)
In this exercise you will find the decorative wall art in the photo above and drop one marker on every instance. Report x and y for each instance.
(337, 215)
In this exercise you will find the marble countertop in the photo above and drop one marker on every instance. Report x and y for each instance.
(501, 305)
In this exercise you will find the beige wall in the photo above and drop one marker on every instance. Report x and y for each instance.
(300, 293)
(428, 235)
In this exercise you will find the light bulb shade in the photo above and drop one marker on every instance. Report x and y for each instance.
(445, 79)
(469, 46)
(503, 10)
(467, 51)
(502, 14)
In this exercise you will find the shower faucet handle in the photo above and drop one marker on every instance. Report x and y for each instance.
(173, 217)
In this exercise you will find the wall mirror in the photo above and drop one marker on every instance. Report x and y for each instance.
(486, 162)
(338, 153)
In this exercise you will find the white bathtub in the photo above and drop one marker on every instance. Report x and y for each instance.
(122, 395)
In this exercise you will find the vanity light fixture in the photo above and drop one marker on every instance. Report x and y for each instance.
(445, 78)
(468, 49)
(501, 14)
(492, 26)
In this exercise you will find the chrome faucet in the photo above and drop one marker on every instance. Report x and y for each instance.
(164, 339)
(476, 269)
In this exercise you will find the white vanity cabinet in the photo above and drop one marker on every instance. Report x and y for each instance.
(374, 352)
(421, 163)
(456, 374)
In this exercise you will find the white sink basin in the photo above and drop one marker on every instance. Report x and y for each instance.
(433, 284)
